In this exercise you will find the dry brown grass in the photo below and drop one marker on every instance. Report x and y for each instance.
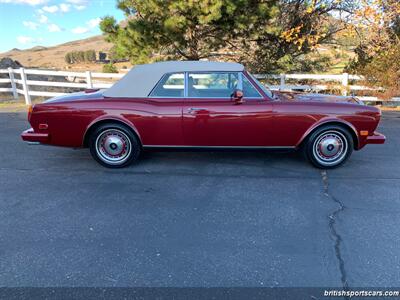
(9, 104)
(12, 105)
(53, 57)
(388, 108)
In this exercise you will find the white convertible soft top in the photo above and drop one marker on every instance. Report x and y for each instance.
(139, 81)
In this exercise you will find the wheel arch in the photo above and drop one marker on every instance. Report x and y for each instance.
(98, 122)
(341, 123)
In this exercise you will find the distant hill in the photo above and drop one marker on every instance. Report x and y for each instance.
(38, 48)
(53, 57)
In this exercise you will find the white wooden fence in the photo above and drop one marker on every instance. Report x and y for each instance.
(92, 80)
(87, 80)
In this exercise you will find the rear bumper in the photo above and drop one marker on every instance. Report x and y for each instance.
(376, 138)
(30, 135)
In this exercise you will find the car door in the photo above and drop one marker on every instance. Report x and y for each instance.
(161, 117)
(212, 119)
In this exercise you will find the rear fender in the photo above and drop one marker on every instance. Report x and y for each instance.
(104, 119)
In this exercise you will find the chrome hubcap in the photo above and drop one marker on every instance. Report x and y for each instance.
(330, 147)
(113, 146)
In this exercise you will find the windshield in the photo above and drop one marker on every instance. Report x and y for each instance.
(263, 87)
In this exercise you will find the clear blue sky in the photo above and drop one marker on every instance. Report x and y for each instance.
(28, 23)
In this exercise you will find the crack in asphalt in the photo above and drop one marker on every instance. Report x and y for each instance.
(336, 236)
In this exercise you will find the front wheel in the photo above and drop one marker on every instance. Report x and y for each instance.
(329, 147)
(114, 145)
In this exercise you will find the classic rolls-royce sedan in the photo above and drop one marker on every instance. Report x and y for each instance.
(202, 105)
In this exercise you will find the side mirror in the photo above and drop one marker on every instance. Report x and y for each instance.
(237, 96)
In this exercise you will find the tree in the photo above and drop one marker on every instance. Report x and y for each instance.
(264, 34)
(74, 55)
(181, 29)
(377, 24)
(80, 56)
(90, 55)
(298, 27)
(68, 58)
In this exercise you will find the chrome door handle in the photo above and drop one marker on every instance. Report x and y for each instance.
(194, 109)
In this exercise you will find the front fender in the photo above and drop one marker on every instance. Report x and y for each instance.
(332, 121)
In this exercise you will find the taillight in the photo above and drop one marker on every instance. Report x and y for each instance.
(30, 109)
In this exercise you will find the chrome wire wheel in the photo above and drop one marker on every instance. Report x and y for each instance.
(113, 146)
(330, 148)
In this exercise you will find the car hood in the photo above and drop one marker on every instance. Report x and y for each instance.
(79, 96)
(305, 97)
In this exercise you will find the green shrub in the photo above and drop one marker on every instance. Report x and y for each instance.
(109, 68)
(90, 55)
(80, 56)
(68, 58)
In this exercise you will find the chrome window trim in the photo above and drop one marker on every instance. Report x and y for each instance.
(265, 89)
(259, 95)
(186, 82)
(163, 97)
(158, 82)
(240, 82)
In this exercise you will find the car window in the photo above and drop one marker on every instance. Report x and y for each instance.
(170, 85)
(249, 90)
(262, 86)
(212, 85)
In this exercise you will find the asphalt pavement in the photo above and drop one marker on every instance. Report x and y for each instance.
(200, 219)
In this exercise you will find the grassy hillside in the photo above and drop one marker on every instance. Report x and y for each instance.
(53, 57)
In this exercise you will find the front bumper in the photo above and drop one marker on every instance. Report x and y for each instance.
(376, 138)
(30, 135)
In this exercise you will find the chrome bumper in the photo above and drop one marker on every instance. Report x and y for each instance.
(33, 137)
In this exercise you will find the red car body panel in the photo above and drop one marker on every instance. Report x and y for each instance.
(216, 123)
(222, 123)
(294, 121)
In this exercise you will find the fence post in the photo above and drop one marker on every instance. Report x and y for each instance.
(13, 86)
(282, 84)
(89, 80)
(345, 83)
(25, 87)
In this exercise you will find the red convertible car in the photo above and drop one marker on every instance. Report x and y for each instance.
(202, 105)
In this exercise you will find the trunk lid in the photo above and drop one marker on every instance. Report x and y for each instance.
(79, 96)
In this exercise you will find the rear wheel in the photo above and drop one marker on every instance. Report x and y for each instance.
(329, 146)
(114, 145)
